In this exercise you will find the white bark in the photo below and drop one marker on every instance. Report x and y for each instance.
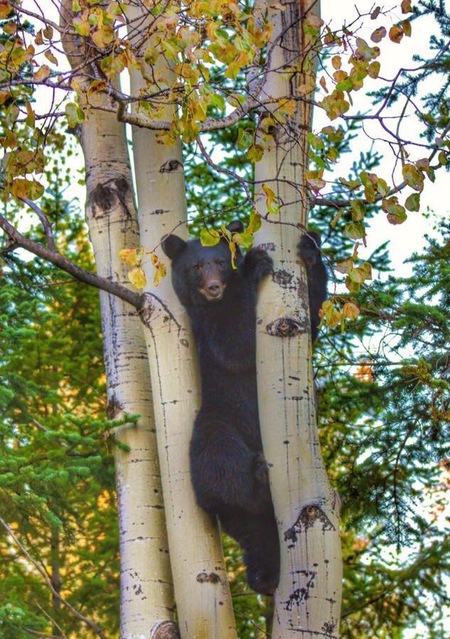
(146, 582)
(307, 601)
(202, 592)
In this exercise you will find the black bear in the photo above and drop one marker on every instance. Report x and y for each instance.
(229, 472)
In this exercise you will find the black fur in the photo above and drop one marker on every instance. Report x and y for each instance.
(229, 472)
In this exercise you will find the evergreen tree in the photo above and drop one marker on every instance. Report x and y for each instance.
(58, 532)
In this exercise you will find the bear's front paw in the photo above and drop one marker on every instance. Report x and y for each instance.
(309, 249)
(258, 263)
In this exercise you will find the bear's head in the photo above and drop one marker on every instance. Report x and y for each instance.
(200, 274)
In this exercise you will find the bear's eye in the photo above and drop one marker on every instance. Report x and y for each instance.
(197, 267)
(220, 262)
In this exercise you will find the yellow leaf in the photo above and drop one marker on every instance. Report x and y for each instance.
(160, 269)
(315, 180)
(340, 76)
(137, 278)
(336, 61)
(5, 9)
(97, 86)
(48, 32)
(42, 73)
(81, 26)
(345, 266)
(49, 55)
(270, 195)
(407, 28)
(103, 37)
(331, 314)
(373, 70)
(271, 200)
(21, 187)
(31, 116)
(304, 89)
(350, 310)
(129, 257)
(287, 106)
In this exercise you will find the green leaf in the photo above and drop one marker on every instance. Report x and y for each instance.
(396, 213)
(254, 223)
(209, 237)
(358, 210)
(244, 139)
(355, 230)
(413, 177)
(255, 153)
(75, 114)
(413, 202)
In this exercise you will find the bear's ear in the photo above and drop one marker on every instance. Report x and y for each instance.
(172, 245)
(235, 226)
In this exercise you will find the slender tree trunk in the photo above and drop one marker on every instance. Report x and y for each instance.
(146, 581)
(55, 577)
(307, 601)
(147, 604)
(204, 608)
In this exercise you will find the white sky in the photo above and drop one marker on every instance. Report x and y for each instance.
(408, 236)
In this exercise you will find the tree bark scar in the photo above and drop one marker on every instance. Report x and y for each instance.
(170, 166)
(268, 246)
(287, 327)
(285, 279)
(204, 577)
(147, 309)
(152, 309)
(164, 630)
(329, 628)
(113, 408)
(301, 594)
(309, 516)
(104, 197)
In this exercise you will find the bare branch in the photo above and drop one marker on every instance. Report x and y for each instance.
(220, 169)
(41, 570)
(44, 221)
(56, 258)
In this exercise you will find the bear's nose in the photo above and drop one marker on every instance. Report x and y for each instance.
(214, 287)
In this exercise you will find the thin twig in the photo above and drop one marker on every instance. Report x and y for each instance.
(98, 631)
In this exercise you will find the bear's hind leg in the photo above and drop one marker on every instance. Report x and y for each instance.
(258, 536)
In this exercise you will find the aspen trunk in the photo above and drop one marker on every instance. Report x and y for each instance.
(202, 592)
(146, 582)
(307, 601)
